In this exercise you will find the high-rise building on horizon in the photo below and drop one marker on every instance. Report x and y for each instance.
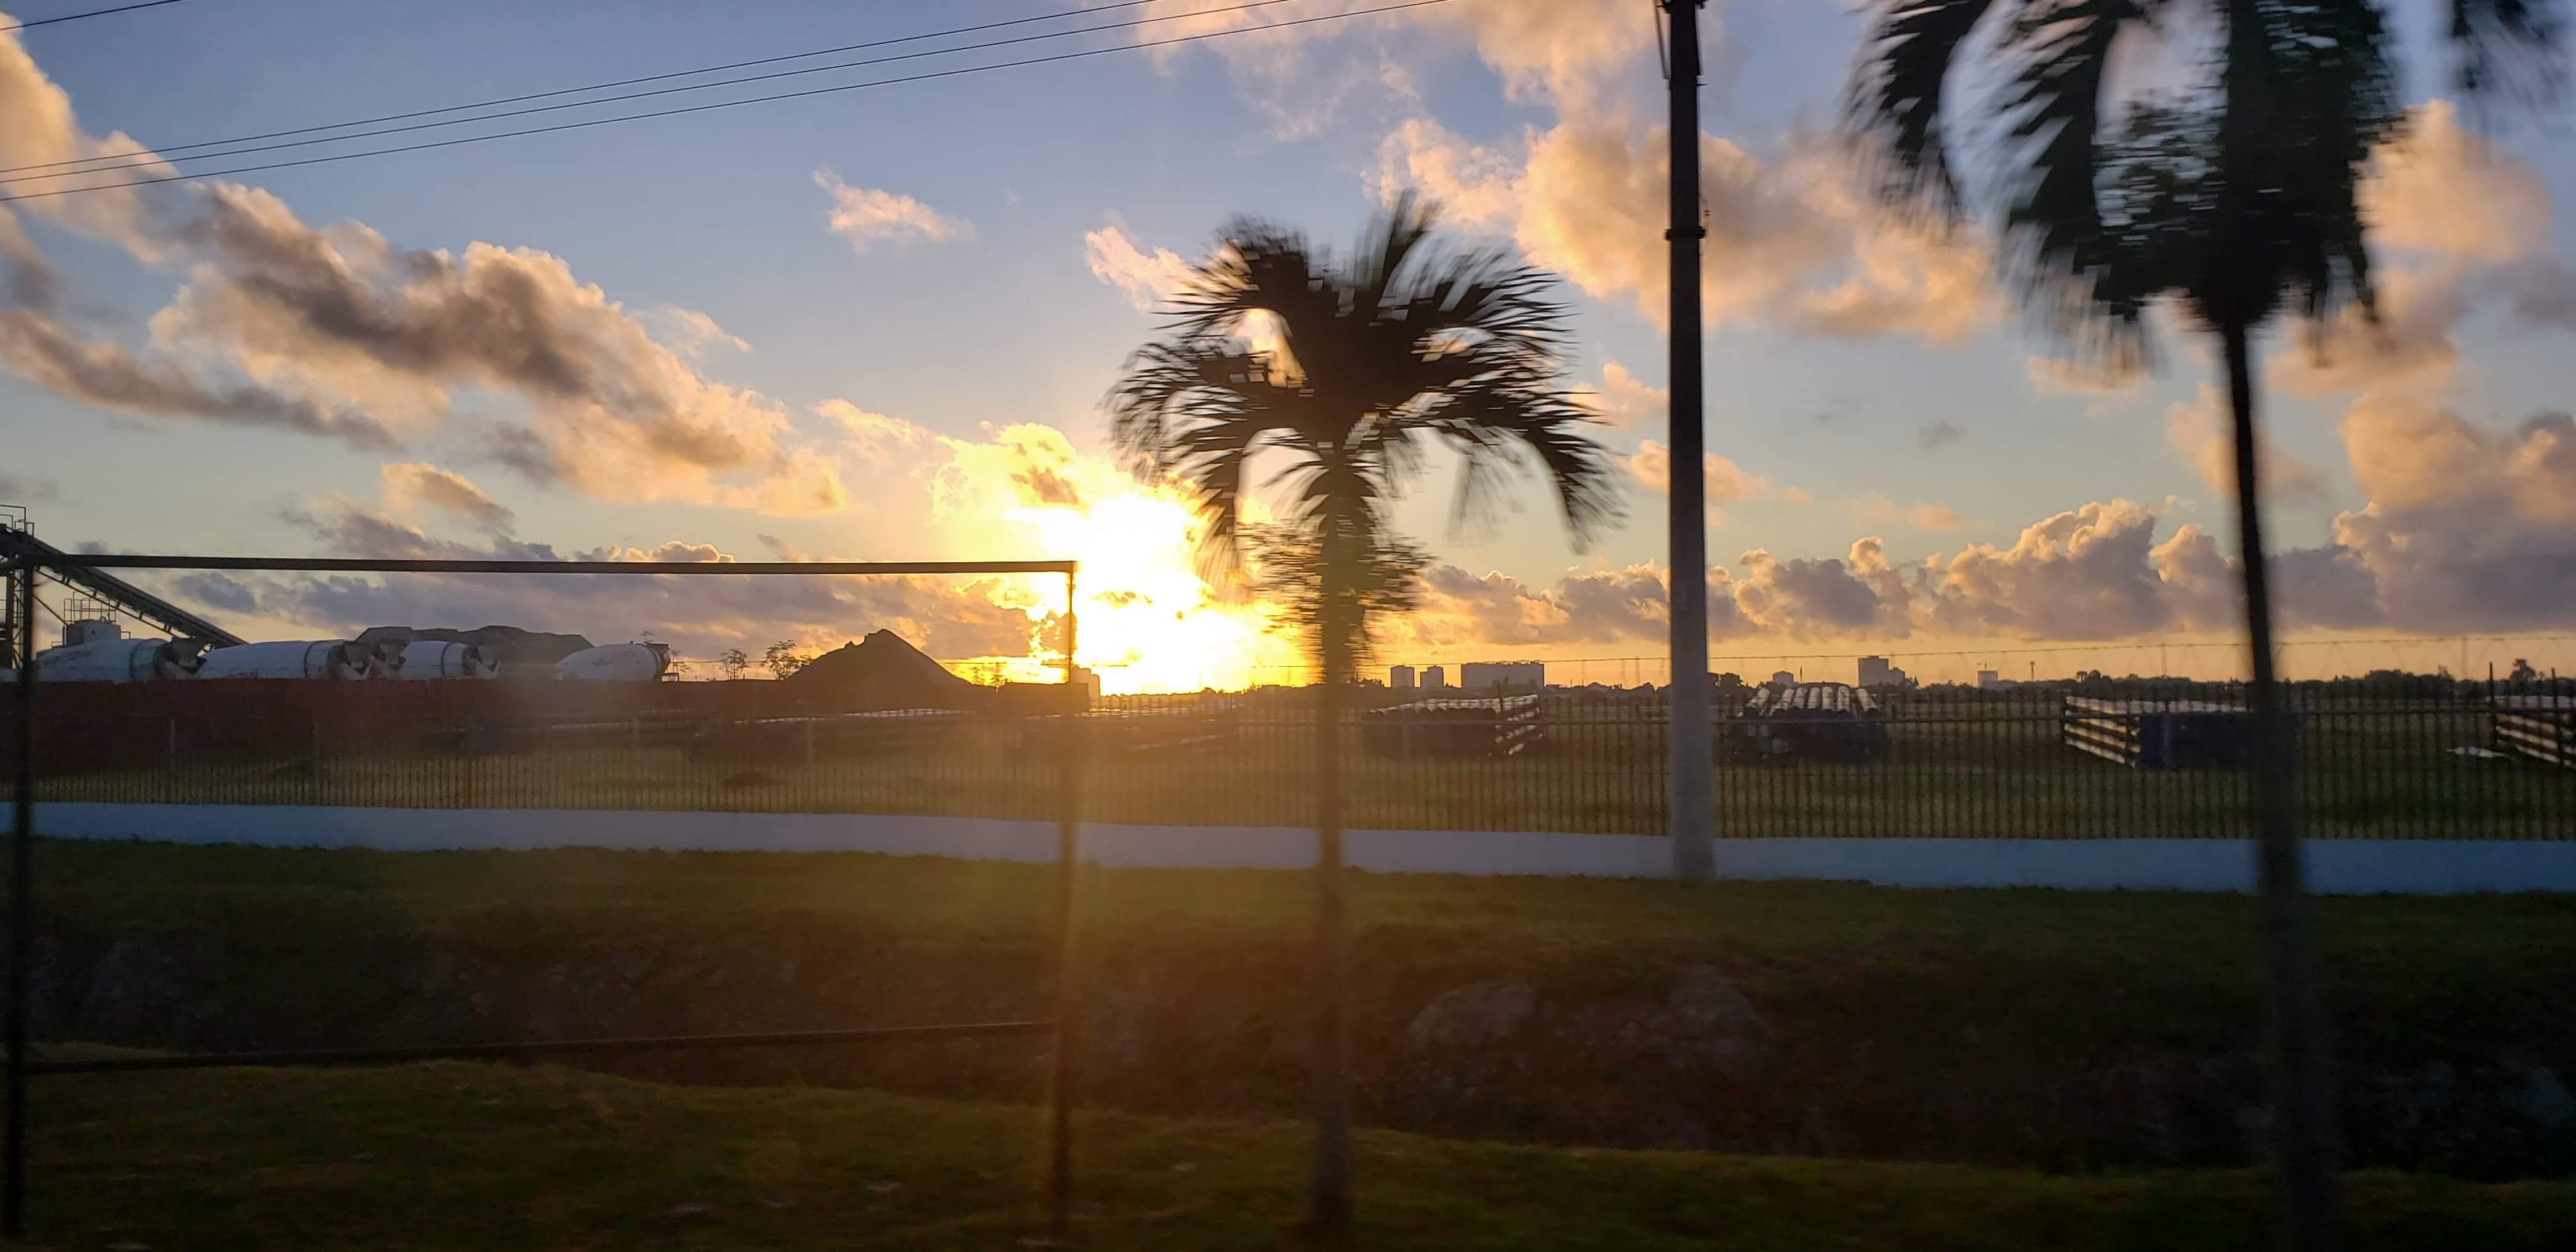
(1400, 677)
(1434, 678)
(1480, 677)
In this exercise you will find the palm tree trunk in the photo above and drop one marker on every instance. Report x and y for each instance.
(1330, 1218)
(2296, 1049)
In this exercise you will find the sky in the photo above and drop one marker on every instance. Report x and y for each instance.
(878, 325)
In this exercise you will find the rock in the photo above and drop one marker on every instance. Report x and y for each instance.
(2544, 1101)
(1471, 1016)
(1709, 1025)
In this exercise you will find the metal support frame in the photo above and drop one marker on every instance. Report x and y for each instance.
(1068, 820)
(22, 575)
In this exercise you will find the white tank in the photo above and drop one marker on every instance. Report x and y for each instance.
(433, 658)
(302, 658)
(114, 660)
(615, 662)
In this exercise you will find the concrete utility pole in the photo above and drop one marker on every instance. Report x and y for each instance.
(1693, 821)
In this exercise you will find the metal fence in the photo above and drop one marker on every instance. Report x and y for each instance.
(2423, 758)
(352, 757)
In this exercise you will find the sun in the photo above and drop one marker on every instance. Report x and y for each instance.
(1146, 621)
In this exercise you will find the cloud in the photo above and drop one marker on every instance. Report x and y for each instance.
(700, 616)
(867, 216)
(2466, 221)
(1623, 399)
(1722, 479)
(28, 489)
(335, 332)
(1474, 185)
(1150, 279)
(1023, 466)
(1879, 511)
(689, 331)
(2469, 526)
(1936, 435)
(1794, 238)
(881, 439)
(1802, 597)
(2443, 189)
(104, 375)
(2200, 432)
(343, 315)
(1154, 280)
(411, 483)
(2082, 574)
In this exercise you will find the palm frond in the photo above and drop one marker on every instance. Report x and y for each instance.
(1898, 95)
(2508, 48)
(2058, 246)
(1406, 346)
(2309, 93)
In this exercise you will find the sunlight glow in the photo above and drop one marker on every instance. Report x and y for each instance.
(1147, 621)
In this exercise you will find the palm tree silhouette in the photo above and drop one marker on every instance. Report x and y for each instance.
(1348, 373)
(2236, 200)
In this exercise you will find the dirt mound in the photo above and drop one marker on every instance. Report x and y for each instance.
(881, 672)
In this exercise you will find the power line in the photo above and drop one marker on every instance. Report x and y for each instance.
(720, 104)
(147, 160)
(74, 17)
(164, 150)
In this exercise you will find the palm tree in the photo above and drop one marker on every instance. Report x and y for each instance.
(1363, 366)
(2236, 201)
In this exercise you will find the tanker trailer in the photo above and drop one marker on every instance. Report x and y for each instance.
(617, 662)
(298, 658)
(433, 658)
(119, 660)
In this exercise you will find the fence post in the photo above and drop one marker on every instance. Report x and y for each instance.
(22, 925)
(1068, 817)
(170, 760)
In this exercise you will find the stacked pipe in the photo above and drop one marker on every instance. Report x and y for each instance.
(1502, 726)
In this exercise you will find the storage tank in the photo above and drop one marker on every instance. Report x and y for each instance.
(433, 658)
(616, 662)
(298, 658)
(115, 660)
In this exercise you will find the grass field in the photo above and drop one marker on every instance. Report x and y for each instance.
(455, 1156)
(2368, 775)
(2066, 1030)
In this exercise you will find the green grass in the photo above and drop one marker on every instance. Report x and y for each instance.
(2066, 1030)
(2367, 776)
(458, 1156)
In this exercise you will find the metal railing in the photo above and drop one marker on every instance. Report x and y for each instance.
(314, 760)
(2450, 761)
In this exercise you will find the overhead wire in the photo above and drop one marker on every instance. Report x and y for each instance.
(165, 150)
(709, 107)
(150, 159)
(74, 17)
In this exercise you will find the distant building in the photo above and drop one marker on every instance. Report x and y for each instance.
(1434, 678)
(1785, 678)
(1876, 672)
(1400, 678)
(1484, 676)
(1988, 680)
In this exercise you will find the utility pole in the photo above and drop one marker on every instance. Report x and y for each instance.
(1692, 802)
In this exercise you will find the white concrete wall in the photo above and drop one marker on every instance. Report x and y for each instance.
(2340, 866)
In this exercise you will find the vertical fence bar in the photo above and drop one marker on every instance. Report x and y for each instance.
(1068, 817)
(22, 926)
